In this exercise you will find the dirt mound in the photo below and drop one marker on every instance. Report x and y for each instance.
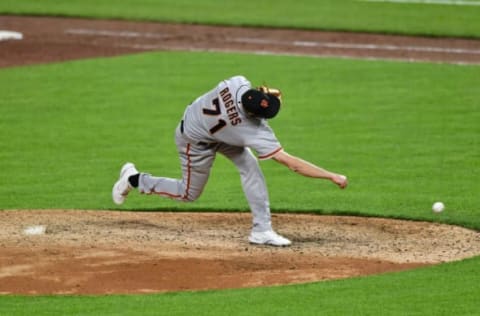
(97, 252)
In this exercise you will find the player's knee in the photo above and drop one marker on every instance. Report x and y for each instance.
(245, 158)
(189, 198)
(191, 195)
(248, 162)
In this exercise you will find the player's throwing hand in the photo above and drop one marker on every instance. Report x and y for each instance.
(340, 180)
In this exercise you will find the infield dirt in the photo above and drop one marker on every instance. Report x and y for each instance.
(47, 39)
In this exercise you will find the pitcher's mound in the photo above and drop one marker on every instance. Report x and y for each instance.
(97, 252)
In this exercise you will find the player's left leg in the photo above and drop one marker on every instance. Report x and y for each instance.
(255, 189)
(253, 184)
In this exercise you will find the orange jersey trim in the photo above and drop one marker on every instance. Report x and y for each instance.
(189, 167)
(172, 196)
(270, 155)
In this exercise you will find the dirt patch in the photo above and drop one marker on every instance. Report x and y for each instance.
(58, 39)
(97, 252)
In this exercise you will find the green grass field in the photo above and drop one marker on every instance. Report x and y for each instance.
(420, 19)
(406, 134)
(398, 130)
(450, 289)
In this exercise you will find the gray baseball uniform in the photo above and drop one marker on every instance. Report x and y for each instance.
(216, 122)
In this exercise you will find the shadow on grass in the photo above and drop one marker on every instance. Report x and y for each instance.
(440, 220)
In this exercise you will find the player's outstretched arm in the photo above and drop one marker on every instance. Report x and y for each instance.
(308, 169)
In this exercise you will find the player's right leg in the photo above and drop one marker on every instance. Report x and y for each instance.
(196, 162)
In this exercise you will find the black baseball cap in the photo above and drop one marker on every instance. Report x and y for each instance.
(260, 104)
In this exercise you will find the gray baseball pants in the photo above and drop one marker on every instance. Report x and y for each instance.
(196, 161)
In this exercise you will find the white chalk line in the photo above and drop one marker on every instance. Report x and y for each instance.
(130, 34)
(436, 2)
(272, 53)
(245, 40)
(362, 46)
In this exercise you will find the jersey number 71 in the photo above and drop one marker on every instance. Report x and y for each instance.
(215, 112)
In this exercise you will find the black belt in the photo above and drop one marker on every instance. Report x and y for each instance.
(182, 123)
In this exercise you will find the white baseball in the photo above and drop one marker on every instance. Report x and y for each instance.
(438, 207)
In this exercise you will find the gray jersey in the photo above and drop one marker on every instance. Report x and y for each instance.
(218, 117)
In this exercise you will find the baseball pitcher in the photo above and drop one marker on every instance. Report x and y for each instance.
(231, 119)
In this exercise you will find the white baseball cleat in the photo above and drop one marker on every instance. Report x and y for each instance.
(122, 186)
(268, 237)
